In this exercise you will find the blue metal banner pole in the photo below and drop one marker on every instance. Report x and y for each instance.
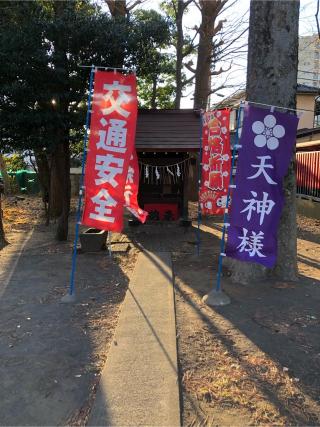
(226, 213)
(199, 184)
(78, 217)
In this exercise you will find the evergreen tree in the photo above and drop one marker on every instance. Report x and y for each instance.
(43, 89)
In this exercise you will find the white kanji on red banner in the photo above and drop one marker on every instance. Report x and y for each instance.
(115, 138)
(108, 168)
(216, 161)
(103, 204)
(131, 190)
(111, 143)
(117, 102)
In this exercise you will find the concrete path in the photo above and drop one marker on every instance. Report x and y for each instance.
(49, 350)
(139, 384)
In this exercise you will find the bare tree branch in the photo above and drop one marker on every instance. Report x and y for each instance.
(215, 46)
(234, 40)
(188, 66)
(111, 5)
(219, 26)
(220, 71)
(192, 46)
(235, 51)
(234, 63)
(122, 7)
(133, 5)
(223, 86)
(186, 82)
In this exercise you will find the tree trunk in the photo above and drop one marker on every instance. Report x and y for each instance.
(154, 92)
(119, 11)
(179, 53)
(118, 8)
(60, 179)
(60, 156)
(43, 172)
(3, 241)
(55, 194)
(208, 28)
(272, 79)
(5, 176)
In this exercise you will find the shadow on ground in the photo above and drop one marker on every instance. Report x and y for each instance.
(52, 353)
(256, 360)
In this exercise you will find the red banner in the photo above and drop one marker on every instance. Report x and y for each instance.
(132, 188)
(216, 162)
(111, 143)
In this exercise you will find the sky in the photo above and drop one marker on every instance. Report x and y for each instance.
(237, 74)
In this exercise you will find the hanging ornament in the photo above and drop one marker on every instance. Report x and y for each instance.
(157, 174)
(172, 172)
(169, 171)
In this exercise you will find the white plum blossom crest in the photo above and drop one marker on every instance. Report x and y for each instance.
(268, 132)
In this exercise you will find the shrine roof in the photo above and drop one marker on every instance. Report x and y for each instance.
(168, 130)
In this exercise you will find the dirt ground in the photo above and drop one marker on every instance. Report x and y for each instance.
(255, 361)
(66, 345)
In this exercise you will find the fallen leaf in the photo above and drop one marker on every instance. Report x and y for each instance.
(283, 285)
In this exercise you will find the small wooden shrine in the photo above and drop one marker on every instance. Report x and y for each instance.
(167, 143)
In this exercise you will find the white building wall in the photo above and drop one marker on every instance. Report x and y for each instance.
(309, 60)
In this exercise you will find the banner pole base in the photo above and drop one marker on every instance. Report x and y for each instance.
(216, 298)
(68, 298)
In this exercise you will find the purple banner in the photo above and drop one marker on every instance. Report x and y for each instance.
(267, 142)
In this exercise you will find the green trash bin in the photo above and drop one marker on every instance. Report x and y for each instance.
(21, 179)
(27, 181)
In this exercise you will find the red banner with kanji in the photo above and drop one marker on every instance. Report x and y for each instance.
(132, 189)
(111, 143)
(215, 162)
